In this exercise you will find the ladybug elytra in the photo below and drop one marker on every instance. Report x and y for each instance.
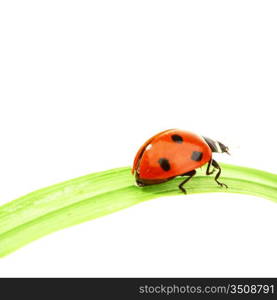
(173, 153)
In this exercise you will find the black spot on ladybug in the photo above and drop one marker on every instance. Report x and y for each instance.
(196, 155)
(164, 163)
(177, 138)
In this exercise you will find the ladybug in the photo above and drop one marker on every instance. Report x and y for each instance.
(175, 152)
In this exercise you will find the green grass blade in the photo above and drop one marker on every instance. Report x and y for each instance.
(85, 198)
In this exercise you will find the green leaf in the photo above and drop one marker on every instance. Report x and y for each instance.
(85, 198)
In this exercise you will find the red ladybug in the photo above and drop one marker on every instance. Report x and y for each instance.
(173, 153)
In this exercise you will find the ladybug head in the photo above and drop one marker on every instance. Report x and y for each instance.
(223, 148)
(216, 146)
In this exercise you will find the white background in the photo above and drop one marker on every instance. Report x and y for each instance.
(84, 83)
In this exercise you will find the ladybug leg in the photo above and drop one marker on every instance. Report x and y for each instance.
(208, 172)
(217, 166)
(190, 174)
